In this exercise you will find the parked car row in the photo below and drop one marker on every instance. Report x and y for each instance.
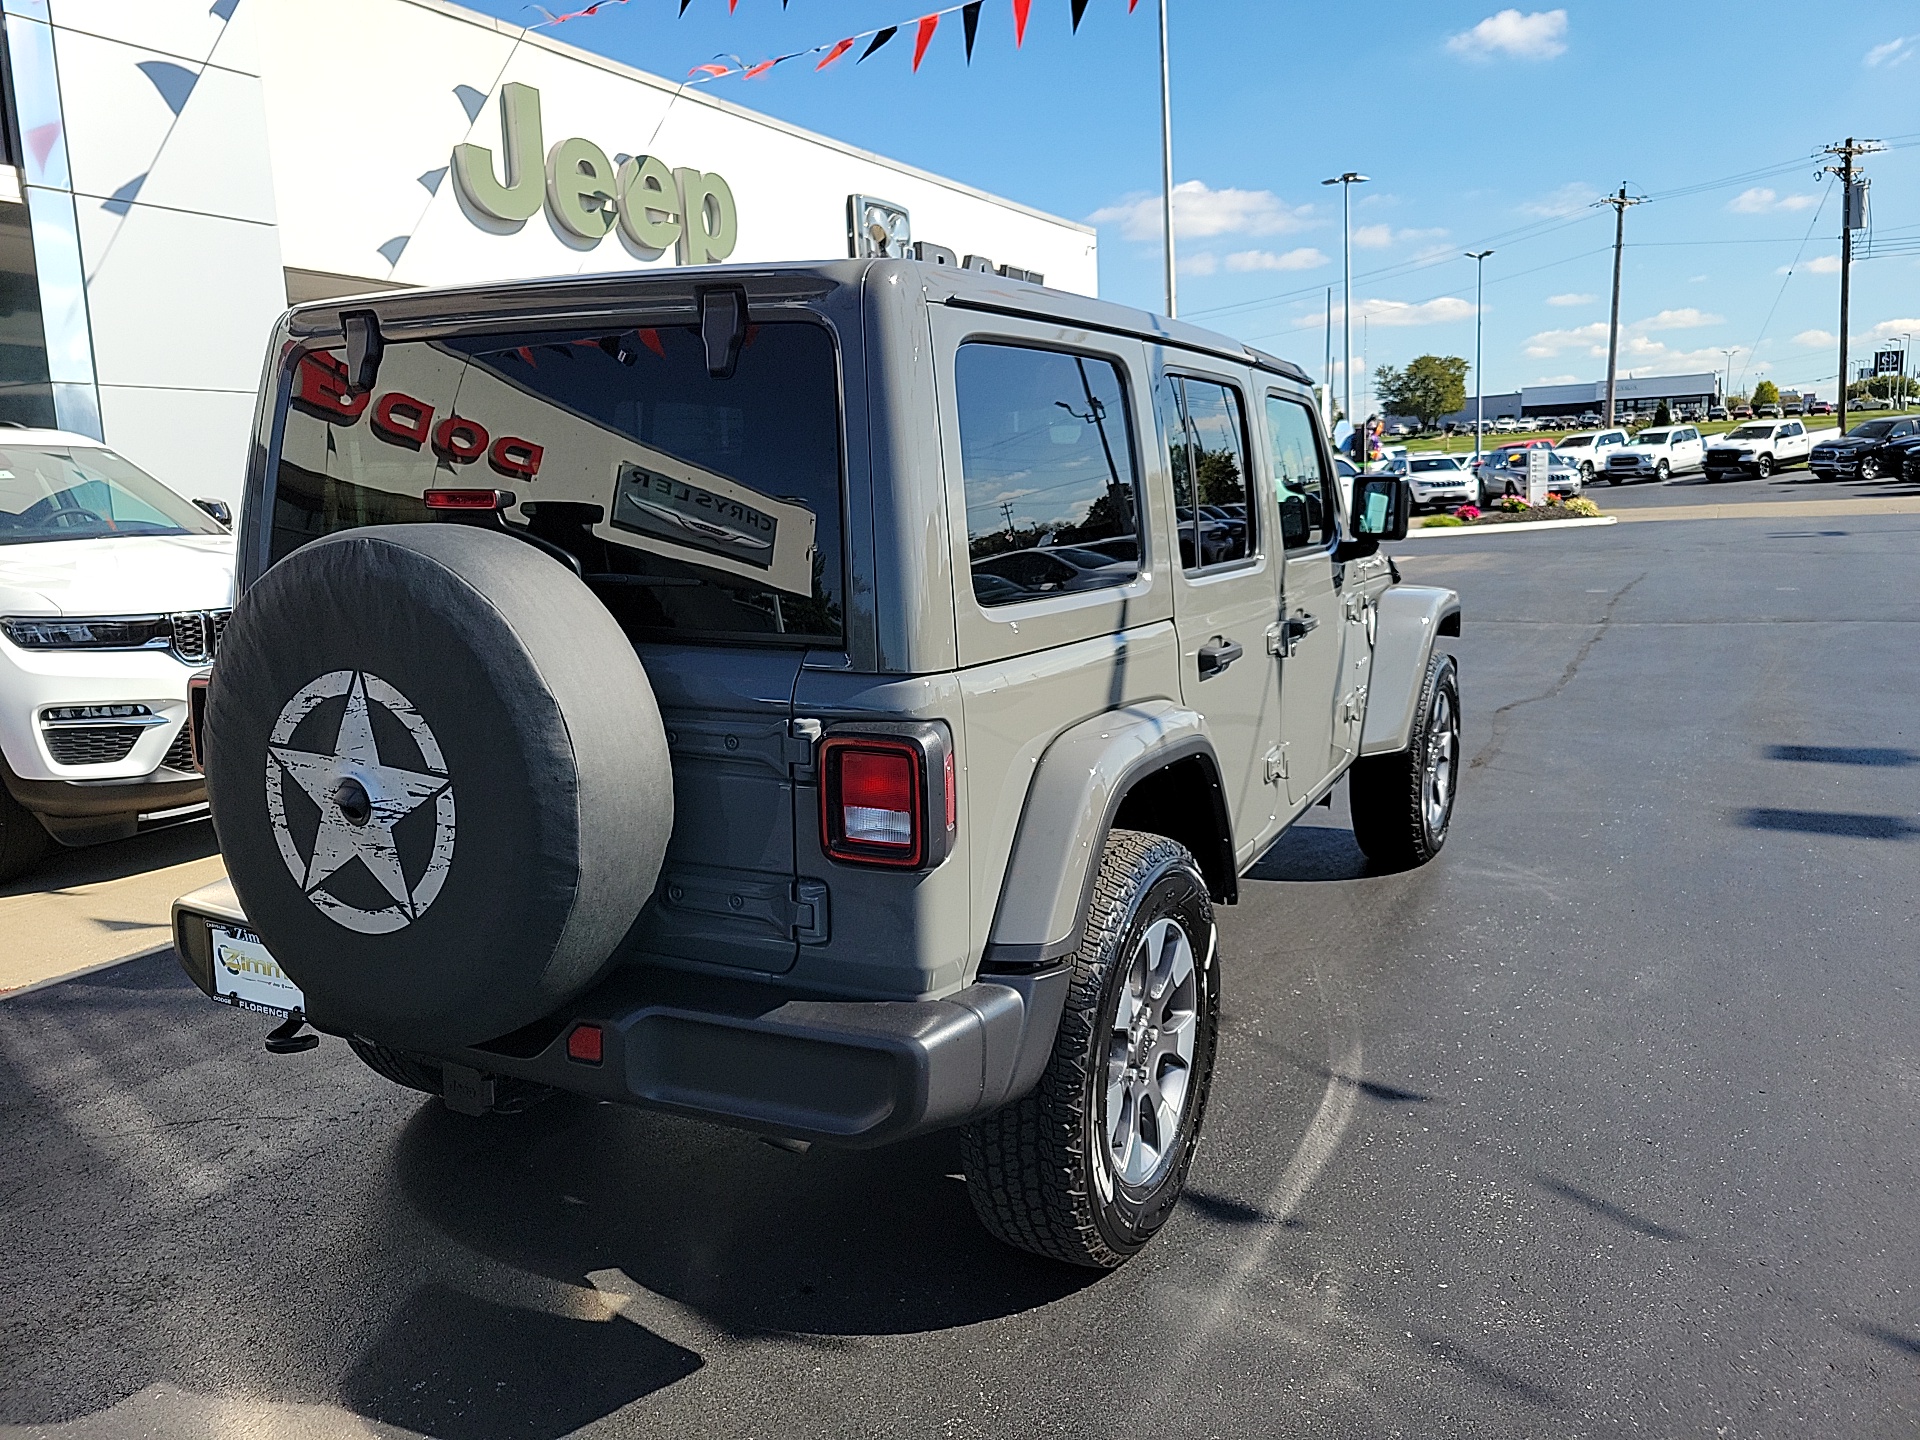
(1872, 450)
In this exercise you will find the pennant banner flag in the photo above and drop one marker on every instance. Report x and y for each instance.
(924, 28)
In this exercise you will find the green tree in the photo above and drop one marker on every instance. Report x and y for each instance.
(1766, 393)
(1430, 386)
(1663, 416)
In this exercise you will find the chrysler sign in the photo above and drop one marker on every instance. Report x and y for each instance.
(686, 210)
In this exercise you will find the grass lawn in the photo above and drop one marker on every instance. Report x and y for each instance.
(1463, 444)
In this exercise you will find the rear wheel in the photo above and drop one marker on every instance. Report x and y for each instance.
(1088, 1167)
(23, 839)
(1402, 803)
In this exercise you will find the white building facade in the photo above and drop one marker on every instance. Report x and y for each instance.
(182, 170)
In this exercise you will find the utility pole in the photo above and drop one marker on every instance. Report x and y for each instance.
(1479, 258)
(1851, 219)
(1346, 182)
(1166, 154)
(1619, 203)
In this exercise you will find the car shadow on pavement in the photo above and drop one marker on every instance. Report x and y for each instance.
(1855, 825)
(750, 1238)
(1313, 852)
(64, 869)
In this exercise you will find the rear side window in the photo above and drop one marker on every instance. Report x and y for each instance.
(698, 509)
(1047, 461)
(1207, 456)
(1300, 484)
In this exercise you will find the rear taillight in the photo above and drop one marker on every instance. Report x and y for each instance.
(469, 500)
(887, 796)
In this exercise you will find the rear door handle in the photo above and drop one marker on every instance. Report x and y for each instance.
(1216, 655)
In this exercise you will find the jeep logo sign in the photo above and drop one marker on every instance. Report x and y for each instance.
(656, 208)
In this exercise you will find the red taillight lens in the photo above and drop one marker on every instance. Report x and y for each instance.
(585, 1044)
(874, 801)
(467, 500)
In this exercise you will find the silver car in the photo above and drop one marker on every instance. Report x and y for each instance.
(1439, 480)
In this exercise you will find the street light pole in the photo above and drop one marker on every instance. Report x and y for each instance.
(1726, 394)
(1166, 155)
(1346, 182)
(1479, 258)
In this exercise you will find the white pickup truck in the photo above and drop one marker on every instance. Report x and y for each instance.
(1758, 448)
(1657, 455)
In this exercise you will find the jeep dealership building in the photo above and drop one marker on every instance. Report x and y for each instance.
(179, 171)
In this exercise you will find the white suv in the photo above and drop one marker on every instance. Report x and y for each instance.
(113, 592)
(1657, 455)
(1758, 448)
(1590, 449)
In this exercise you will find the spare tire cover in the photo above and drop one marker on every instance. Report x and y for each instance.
(439, 778)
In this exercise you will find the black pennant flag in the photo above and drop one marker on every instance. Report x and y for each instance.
(1079, 9)
(879, 40)
(683, 5)
(970, 17)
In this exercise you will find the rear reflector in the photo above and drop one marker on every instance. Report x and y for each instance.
(468, 499)
(585, 1044)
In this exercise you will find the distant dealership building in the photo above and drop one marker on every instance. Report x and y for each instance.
(1638, 396)
(173, 173)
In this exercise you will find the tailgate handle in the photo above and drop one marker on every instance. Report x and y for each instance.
(1217, 654)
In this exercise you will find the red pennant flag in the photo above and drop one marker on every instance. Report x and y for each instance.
(732, 5)
(840, 48)
(1131, 4)
(714, 70)
(651, 339)
(760, 69)
(928, 24)
(1020, 8)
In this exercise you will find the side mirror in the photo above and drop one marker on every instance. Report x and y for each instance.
(1382, 506)
(218, 509)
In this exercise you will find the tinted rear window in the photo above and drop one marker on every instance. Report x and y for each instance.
(698, 508)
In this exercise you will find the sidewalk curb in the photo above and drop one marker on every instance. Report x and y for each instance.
(52, 980)
(1424, 531)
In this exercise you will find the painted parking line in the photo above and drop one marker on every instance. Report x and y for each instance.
(1779, 509)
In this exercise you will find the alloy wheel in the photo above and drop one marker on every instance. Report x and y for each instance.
(1150, 1055)
(1442, 752)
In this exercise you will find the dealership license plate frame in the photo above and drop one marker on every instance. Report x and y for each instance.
(257, 983)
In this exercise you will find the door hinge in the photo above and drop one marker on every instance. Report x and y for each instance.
(1353, 706)
(810, 911)
(802, 736)
(1277, 764)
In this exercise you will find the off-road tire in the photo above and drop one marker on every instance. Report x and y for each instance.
(417, 1072)
(23, 839)
(1393, 821)
(1039, 1171)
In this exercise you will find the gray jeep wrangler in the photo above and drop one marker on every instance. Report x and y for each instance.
(824, 699)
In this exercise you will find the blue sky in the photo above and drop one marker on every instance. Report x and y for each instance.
(1479, 126)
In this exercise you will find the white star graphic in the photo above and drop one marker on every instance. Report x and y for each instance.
(349, 829)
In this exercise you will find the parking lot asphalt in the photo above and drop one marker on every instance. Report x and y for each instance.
(1601, 1124)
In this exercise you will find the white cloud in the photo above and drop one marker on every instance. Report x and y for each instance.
(1539, 36)
(1305, 258)
(1558, 380)
(1405, 312)
(1570, 299)
(1815, 339)
(1551, 342)
(1890, 329)
(1373, 237)
(1200, 212)
(1687, 318)
(1574, 196)
(1647, 355)
(1894, 52)
(1823, 265)
(1759, 200)
(1197, 262)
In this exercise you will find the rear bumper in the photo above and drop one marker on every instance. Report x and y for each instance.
(855, 1074)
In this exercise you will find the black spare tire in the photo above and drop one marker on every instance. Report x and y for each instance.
(439, 777)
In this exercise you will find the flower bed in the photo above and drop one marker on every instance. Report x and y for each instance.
(1512, 510)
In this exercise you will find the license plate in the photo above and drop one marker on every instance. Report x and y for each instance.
(244, 974)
